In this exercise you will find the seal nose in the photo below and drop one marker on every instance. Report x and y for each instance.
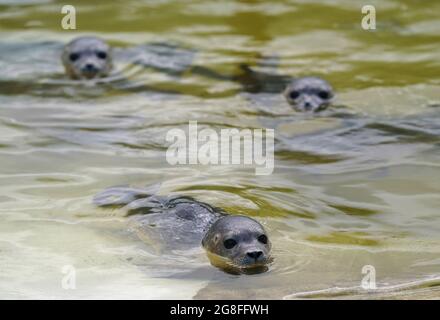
(90, 67)
(254, 254)
(307, 105)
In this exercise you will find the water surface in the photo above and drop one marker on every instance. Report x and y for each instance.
(357, 185)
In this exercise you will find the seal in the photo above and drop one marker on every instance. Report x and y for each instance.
(303, 93)
(87, 58)
(309, 94)
(233, 243)
(237, 241)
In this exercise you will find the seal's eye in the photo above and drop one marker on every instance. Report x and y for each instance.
(101, 55)
(73, 57)
(293, 95)
(263, 239)
(229, 243)
(324, 94)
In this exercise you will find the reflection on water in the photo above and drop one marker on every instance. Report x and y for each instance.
(355, 185)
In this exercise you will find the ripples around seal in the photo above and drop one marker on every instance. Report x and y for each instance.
(355, 185)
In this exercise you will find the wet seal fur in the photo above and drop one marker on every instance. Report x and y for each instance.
(234, 243)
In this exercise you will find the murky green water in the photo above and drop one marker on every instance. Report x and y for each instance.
(355, 186)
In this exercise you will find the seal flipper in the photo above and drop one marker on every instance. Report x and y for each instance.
(145, 205)
(120, 196)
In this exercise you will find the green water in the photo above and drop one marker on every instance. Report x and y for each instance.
(349, 189)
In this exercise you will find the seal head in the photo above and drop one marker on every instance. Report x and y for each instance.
(237, 242)
(309, 94)
(87, 58)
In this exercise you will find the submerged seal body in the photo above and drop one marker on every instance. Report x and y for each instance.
(87, 58)
(233, 243)
(309, 94)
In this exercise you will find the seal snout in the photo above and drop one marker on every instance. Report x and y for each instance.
(90, 70)
(254, 257)
(307, 105)
(254, 254)
(89, 67)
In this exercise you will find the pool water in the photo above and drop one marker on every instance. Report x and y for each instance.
(357, 185)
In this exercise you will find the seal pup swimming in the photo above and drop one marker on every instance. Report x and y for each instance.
(309, 94)
(233, 243)
(305, 94)
(87, 58)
